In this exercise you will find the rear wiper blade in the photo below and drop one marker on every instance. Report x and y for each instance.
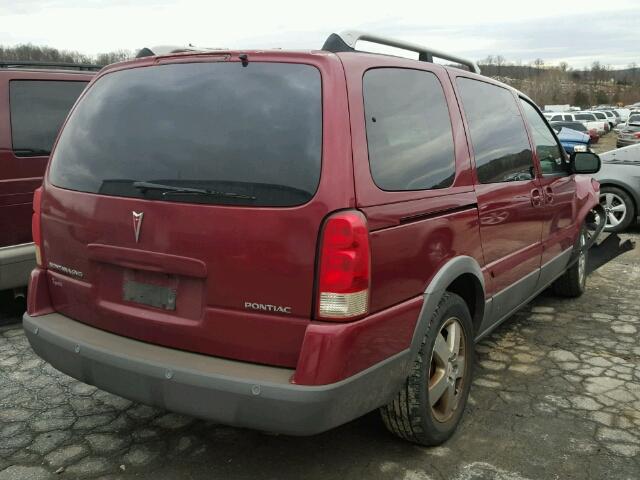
(171, 189)
(31, 151)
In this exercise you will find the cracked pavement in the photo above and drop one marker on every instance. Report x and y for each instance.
(556, 395)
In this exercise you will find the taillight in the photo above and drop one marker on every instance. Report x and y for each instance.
(35, 224)
(637, 134)
(344, 267)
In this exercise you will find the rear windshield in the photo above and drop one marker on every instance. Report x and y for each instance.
(201, 132)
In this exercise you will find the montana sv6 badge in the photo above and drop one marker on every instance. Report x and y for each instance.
(265, 307)
(66, 270)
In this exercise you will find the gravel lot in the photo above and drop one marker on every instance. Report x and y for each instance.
(556, 395)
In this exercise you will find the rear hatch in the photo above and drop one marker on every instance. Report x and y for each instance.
(184, 200)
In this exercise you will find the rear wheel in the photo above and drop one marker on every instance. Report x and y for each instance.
(618, 207)
(430, 405)
(574, 281)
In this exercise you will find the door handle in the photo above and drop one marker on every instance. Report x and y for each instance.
(536, 198)
(548, 194)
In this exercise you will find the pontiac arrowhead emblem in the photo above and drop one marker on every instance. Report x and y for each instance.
(137, 223)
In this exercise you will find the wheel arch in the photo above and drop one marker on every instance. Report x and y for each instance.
(461, 275)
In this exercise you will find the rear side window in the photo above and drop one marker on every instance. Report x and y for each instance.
(38, 108)
(409, 133)
(568, 117)
(216, 133)
(585, 117)
(500, 143)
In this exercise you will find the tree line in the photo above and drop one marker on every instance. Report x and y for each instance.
(561, 84)
(37, 53)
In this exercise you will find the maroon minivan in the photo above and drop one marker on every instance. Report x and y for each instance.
(288, 240)
(35, 98)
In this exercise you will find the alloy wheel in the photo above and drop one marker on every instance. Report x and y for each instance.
(582, 259)
(615, 209)
(447, 369)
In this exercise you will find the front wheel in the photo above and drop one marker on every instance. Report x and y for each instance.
(573, 282)
(429, 406)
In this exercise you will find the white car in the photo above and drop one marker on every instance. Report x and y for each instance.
(588, 119)
(612, 117)
(602, 116)
(624, 113)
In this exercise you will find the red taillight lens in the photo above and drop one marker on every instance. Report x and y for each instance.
(35, 224)
(637, 134)
(344, 267)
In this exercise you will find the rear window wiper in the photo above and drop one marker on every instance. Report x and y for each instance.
(30, 152)
(171, 189)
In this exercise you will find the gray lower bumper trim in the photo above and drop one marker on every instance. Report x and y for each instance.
(226, 391)
(16, 263)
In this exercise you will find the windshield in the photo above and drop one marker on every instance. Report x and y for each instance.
(223, 133)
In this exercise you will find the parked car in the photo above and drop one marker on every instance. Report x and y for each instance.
(613, 118)
(572, 140)
(593, 137)
(629, 136)
(303, 240)
(588, 119)
(602, 117)
(579, 127)
(619, 180)
(36, 98)
(624, 113)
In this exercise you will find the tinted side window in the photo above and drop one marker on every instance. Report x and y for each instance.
(499, 139)
(556, 118)
(568, 117)
(408, 130)
(549, 153)
(38, 108)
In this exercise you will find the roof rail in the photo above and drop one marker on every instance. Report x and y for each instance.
(38, 64)
(346, 42)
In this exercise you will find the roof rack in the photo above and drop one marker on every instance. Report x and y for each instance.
(346, 42)
(38, 64)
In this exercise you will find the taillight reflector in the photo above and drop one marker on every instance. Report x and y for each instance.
(35, 224)
(344, 267)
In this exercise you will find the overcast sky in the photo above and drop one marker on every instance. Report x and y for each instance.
(578, 32)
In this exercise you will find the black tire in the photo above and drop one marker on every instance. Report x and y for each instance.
(619, 195)
(410, 415)
(573, 282)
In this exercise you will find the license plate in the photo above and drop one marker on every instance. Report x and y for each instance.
(151, 295)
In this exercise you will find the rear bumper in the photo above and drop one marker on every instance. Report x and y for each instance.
(16, 263)
(226, 391)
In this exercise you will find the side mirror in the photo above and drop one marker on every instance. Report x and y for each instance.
(584, 162)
